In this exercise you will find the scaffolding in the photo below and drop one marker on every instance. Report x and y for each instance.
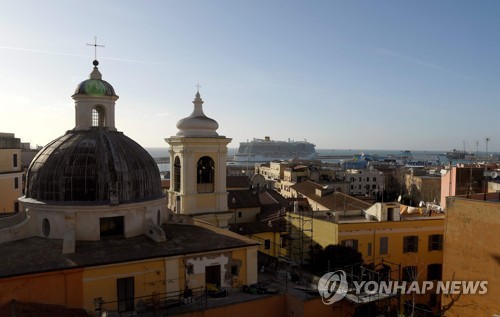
(299, 226)
(368, 304)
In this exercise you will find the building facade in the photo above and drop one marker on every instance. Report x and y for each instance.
(364, 182)
(11, 174)
(472, 253)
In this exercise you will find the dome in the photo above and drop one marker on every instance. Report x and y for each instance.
(197, 124)
(95, 86)
(95, 166)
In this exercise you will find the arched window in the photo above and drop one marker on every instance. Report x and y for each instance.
(177, 174)
(98, 114)
(205, 175)
(45, 227)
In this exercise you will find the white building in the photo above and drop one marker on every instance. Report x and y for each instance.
(364, 182)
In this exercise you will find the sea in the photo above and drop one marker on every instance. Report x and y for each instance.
(417, 155)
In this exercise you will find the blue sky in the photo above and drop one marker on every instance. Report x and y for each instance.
(418, 75)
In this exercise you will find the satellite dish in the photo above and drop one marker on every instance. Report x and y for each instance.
(443, 172)
(399, 199)
(421, 204)
(494, 175)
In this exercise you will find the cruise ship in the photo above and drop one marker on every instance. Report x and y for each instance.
(267, 150)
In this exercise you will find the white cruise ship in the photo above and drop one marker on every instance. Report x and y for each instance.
(267, 150)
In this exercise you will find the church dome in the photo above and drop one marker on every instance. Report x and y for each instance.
(95, 86)
(197, 124)
(95, 166)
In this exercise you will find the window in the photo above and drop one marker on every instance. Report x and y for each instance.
(125, 292)
(435, 242)
(213, 275)
(16, 182)
(374, 179)
(16, 206)
(177, 174)
(267, 244)
(14, 160)
(374, 186)
(239, 214)
(111, 226)
(390, 214)
(410, 244)
(351, 243)
(205, 175)
(384, 245)
(45, 227)
(98, 116)
(283, 240)
(234, 270)
(410, 273)
(434, 272)
(369, 251)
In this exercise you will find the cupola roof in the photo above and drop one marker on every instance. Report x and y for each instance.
(197, 124)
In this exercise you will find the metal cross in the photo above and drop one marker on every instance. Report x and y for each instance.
(198, 86)
(95, 45)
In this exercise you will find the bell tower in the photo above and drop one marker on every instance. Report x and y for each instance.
(95, 103)
(198, 156)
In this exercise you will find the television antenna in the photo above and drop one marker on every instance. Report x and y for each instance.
(487, 140)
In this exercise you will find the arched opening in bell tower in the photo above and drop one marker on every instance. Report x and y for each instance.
(177, 174)
(205, 175)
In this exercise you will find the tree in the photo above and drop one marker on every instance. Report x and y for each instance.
(335, 257)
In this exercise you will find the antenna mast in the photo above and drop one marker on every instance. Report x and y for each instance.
(487, 140)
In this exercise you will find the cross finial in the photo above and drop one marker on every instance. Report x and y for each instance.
(198, 86)
(95, 45)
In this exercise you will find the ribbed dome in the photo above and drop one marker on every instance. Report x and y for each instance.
(93, 166)
(197, 124)
(95, 86)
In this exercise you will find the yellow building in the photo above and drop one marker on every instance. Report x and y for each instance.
(11, 175)
(472, 253)
(383, 233)
(118, 273)
(413, 242)
(272, 236)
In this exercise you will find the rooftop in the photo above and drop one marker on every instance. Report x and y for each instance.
(21, 309)
(238, 181)
(490, 197)
(36, 254)
(333, 200)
